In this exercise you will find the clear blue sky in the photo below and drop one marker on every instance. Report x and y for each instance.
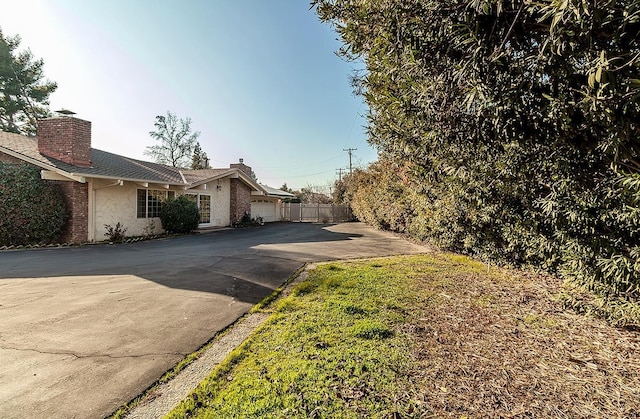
(260, 79)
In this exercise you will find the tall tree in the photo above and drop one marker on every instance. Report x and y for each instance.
(24, 94)
(177, 142)
(199, 160)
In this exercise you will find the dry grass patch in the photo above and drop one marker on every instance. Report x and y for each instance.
(499, 345)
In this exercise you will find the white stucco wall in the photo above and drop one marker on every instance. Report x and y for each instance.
(221, 215)
(220, 200)
(117, 204)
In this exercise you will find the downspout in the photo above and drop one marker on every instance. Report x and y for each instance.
(92, 222)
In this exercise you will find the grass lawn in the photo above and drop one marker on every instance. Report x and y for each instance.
(420, 336)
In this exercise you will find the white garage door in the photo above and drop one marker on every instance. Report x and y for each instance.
(264, 209)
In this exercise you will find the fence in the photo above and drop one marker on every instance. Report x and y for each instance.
(318, 213)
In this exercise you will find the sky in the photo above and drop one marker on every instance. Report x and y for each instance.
(259, 79)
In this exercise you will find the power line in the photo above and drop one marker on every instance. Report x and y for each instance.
(299, 176)
(353, 123)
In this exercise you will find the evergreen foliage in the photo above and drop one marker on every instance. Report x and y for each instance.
(199, 160)
(179, 215)
(24, 95)
(507, 129)
(33, 210)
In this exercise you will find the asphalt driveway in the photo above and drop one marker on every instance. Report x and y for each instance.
(84, 330)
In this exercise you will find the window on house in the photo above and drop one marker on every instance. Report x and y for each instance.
(149, 202)
(141, 211)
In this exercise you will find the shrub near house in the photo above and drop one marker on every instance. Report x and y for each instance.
(33, 211)
(180, 215)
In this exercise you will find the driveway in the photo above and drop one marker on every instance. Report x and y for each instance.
(84, 330)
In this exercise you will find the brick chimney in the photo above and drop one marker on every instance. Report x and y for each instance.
(246, 169)
(67, 139)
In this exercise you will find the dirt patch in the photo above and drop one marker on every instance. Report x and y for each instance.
(499, 345)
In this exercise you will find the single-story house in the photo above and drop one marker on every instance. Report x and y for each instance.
(103, 188)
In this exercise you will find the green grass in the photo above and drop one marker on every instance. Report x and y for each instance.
(333, 348)
(435, 335)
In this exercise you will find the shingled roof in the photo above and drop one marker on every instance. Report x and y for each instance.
(108, 165)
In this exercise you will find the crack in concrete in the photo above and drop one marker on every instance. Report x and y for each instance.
(81, 356)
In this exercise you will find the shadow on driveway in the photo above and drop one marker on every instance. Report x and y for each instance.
(84, 330)
(237, 263)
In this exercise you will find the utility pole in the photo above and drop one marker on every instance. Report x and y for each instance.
(350, 151)
(339, 172)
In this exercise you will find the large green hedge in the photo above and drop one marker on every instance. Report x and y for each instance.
(32, 211)
(508, 130)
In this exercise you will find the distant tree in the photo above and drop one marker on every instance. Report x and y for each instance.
(339, 191)
(24, 95)
(285, 188)
(177, 142)
(312, 194)
(199, 160)
(295, 198)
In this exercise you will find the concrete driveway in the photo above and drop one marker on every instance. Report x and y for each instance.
(84, 330)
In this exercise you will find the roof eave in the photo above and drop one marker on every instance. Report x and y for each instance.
(43, 165)
(126, 179)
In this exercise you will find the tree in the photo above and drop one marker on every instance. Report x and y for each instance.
(513, 126)
(285, 188)
(177, 142)
(199, 160)
(313, 194)
(24, 95)
(295, 199)
(340, 189)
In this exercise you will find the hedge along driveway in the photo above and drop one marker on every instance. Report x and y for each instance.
(84, 330)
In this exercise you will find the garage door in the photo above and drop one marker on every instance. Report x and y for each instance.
(264, 209)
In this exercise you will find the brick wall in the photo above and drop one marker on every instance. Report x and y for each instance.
(76, 197)
(240, 200)
(67, 139)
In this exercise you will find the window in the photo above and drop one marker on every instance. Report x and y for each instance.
(149, 202)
